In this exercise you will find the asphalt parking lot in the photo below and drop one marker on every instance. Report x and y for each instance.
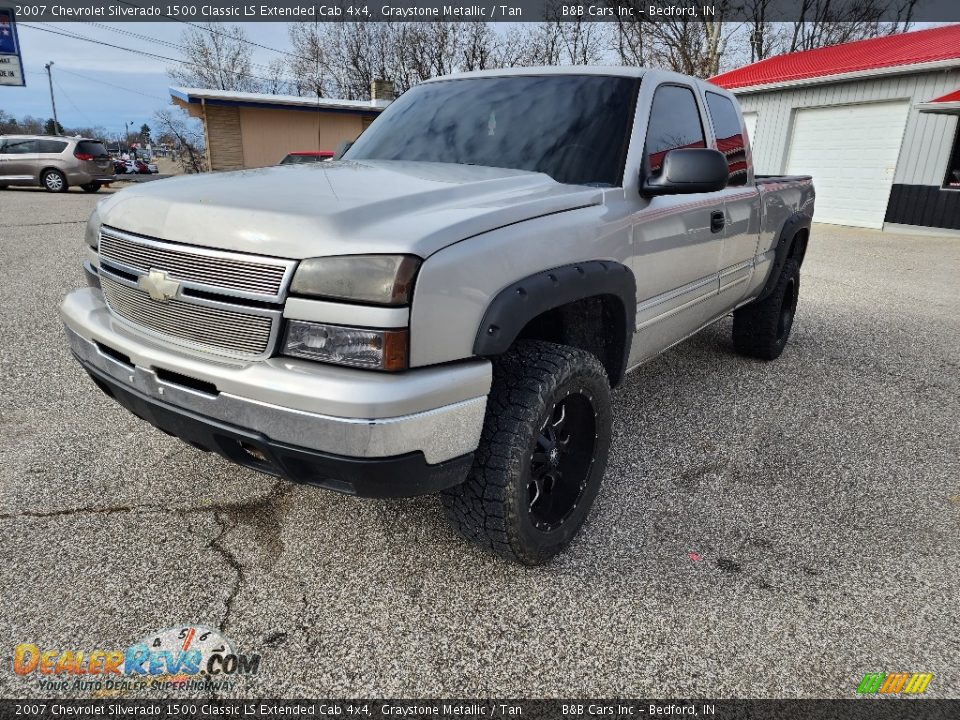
(764, 530)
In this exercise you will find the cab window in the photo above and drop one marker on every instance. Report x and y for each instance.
(674, 123)
(730, 141)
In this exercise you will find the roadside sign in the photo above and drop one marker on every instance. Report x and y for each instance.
(11, 66)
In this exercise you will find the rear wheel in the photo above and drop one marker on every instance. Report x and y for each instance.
(761, 329)
(54, 181)
(542, 453)
(90, 187)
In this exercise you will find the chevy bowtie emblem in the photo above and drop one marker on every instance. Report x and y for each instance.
(158, 285)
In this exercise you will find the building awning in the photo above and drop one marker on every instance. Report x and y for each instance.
(948, 104)
(187, 97)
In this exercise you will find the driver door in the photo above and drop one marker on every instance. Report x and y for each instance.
(677, 239)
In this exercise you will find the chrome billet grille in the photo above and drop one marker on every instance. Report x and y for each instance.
(246, 275)
(215, 328)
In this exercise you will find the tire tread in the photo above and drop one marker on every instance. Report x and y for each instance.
(524, 381)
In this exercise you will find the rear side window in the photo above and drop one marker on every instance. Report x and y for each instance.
(51, 146)
(674, 123)
(730, 141)
(90, 147)
(15, 146)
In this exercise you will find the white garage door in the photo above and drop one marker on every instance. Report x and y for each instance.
(851, 152)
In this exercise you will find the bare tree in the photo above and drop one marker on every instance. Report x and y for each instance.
(277, 81)
(766, 37)
(308, 68)
(29, 125)
(704, 45)
(341, 59)
(829, 22)
(691, 44)
(630, 42)
(478, 47)
(187, 139)
(217, 57)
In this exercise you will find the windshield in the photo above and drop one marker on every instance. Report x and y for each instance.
(574, 128)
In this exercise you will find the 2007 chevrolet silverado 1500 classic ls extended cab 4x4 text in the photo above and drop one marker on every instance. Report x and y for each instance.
(445, 309)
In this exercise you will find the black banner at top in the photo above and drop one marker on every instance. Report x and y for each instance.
(237, 11)
(486, 709)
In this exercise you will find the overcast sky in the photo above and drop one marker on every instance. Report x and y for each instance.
(97, 85)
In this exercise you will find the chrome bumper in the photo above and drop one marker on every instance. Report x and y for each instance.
(438, 411)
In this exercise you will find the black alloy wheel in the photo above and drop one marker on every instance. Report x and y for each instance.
(560, 463)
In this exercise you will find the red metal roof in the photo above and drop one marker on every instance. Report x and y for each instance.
(949, 97)
(913, 48)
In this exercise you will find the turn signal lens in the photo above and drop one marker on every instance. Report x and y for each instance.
(357, 347)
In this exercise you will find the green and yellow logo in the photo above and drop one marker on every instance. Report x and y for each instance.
(894, 683)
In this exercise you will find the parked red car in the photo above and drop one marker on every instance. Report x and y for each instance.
(307, 156)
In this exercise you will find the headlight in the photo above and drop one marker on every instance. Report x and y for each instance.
(380, 279)
(357, 347)
(92, 234)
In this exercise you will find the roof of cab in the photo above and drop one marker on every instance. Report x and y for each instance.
(655, 75)
(615, 70)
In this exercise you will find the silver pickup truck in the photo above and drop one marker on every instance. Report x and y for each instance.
(446, 308)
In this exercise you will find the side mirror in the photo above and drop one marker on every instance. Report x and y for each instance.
(688, 170)
(341, 149)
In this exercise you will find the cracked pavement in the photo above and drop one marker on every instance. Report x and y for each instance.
(764, 530)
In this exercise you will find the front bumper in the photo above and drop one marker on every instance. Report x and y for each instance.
(311, 422)
(399, 476)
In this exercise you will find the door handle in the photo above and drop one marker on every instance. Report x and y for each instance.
(717, 221)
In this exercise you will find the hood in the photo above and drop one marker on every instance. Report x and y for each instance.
(339, 208)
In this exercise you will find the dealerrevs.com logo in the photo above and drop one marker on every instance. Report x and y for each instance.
(191, 658)
(894, 683)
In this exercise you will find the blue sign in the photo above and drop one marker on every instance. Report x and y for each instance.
(8, 34)
(11, 66)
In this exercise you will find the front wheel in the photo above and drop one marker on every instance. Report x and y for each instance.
(542, 453)
(761, 329)
(90, 187)
(54, 181)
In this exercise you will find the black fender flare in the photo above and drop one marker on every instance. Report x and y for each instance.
(519, 303)
(794, 224)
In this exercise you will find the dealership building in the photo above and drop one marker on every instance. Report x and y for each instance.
(249, 130)
(874, 122)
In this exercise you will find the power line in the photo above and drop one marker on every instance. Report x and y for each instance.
(70, 100)
(76, 36)
(167, 43)
(138, 36)
(118, 87)
(100, 42)
(218, 32)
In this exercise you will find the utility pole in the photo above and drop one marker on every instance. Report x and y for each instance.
(56, 123)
